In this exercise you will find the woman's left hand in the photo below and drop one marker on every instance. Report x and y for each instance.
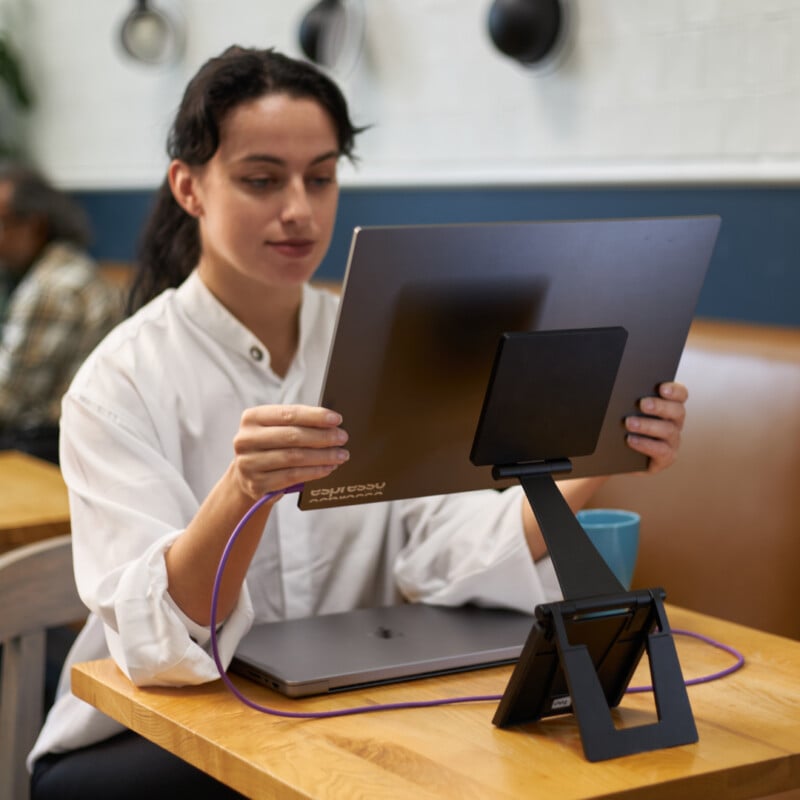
(658, 434)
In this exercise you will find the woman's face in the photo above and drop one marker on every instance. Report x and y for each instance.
(266, 201)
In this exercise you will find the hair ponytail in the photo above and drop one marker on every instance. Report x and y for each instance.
(169, 250)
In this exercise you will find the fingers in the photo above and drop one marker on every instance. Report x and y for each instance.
(672, 390)
(661, 452)
(292, 415)
(658, 434)
(279, 427)
(278, 446)
(669, 405)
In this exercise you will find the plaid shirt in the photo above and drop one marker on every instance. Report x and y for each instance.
(53, 319)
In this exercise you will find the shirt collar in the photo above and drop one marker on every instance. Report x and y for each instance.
(203, 308)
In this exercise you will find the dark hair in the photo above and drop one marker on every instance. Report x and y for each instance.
(34, 196)
(170, 245)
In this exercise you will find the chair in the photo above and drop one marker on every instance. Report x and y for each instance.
(37, 592)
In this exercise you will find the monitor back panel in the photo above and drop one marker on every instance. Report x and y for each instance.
(422, 313)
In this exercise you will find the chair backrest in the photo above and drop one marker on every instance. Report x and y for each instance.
(37, 592)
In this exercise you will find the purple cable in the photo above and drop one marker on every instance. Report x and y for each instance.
(713, 676)
(390, 706)
(298, 714)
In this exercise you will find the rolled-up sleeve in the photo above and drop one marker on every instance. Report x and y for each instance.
(126, 511)
(152, 640)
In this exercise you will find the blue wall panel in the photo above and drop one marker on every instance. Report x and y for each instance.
(754, 274)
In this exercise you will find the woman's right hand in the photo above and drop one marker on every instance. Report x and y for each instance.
(278, 446)
(275, 447)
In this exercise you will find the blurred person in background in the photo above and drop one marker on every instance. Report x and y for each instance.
(54, 307)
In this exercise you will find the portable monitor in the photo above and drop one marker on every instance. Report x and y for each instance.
(423, 312)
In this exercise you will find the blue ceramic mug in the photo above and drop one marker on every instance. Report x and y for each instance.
(615, 534)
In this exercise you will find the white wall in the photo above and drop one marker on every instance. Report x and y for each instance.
(648, 91)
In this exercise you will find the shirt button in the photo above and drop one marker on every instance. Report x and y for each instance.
(256, 353)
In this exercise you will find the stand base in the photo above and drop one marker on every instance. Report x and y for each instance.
(579, 658)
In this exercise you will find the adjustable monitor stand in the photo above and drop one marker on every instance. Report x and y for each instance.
(582, 651)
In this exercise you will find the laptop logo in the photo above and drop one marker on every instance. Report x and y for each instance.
(382, 632)
(353, 491)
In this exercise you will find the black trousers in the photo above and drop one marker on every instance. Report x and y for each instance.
(125, 767)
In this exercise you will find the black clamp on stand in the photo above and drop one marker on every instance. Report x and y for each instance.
(548, 394)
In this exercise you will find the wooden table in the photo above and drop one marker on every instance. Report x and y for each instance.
(749, 725)
(33, 500)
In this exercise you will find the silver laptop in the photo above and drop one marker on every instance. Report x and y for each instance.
(370, 646)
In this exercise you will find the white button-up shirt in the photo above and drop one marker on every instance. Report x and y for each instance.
(147, 431)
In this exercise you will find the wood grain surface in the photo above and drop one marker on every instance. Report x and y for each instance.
(33, 500)
(749, 725)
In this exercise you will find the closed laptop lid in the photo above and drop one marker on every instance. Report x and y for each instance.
(369, 646)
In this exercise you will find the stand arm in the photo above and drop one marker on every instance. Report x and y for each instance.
(581, 570)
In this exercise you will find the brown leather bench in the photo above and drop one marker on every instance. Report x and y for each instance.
(720, 529)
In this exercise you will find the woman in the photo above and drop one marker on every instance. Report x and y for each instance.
(204, 401)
